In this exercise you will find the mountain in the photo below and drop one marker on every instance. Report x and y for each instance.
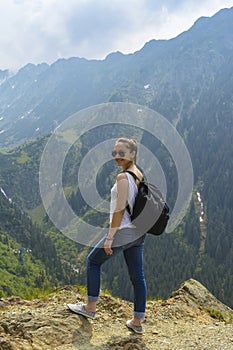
(190, 318)
(187, 79)
(167, 75)
(31, 262)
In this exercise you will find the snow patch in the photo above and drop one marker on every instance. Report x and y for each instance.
(201, 218)
(5, 195)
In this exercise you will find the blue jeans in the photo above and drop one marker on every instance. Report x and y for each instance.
(133, 254)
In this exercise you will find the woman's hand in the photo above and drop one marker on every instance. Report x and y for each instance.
(108, 246)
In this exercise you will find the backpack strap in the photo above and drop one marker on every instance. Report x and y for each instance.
(134, 175)
(135, 178)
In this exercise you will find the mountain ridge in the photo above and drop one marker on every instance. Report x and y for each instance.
(39, 95)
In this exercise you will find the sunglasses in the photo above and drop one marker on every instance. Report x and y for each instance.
(121, 153)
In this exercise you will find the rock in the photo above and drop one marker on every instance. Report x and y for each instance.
(179, 323)
(196, 296)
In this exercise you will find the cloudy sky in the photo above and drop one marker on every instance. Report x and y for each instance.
(44, 30)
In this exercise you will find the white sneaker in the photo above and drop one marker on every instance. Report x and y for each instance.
(80, 309)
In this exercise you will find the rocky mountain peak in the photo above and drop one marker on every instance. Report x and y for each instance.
(192, 318)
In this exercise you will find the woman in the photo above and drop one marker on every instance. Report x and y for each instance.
(122, 236)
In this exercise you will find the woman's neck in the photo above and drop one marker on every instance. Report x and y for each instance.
(130, 166)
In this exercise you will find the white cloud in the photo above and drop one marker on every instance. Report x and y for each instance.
(44, 30)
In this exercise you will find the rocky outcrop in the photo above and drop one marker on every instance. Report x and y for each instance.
(192, 318)
(193, 293)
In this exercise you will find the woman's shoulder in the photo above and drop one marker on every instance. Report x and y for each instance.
(136, 174)
(122, 176)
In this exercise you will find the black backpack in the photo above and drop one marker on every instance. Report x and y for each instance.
(150, 211)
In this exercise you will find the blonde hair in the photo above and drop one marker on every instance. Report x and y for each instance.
(131, 144)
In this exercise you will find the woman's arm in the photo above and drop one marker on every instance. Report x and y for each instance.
(122, 195)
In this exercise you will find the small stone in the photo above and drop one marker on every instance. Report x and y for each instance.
(106, 318)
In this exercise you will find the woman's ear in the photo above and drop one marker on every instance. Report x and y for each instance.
(133, 155)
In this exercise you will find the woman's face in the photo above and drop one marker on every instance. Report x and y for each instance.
(122, 154)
